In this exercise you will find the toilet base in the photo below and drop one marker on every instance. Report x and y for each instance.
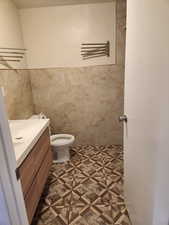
(61, 154)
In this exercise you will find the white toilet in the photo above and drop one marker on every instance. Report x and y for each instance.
(60, 143)
(61, 147)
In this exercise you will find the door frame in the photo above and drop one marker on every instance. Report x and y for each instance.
(11, 187)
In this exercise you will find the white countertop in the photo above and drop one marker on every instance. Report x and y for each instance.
(25, 134)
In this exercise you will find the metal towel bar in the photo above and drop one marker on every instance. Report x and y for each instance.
(11, 54)
(92, 50)
(19, 49)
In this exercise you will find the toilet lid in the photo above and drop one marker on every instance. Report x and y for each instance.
(61, 139)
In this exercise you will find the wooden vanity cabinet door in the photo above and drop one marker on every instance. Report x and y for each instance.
(31, 201)
(34, 172)
(33, 196)
(44, 172)
(33, 161)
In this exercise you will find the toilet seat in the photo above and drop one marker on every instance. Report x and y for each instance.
(62, 139)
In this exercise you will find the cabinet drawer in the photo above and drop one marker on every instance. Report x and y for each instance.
(31, 200)
(33, 161)
(35, 191)
(44, 172)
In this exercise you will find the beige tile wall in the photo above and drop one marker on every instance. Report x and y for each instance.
(18, 94)
(85, 101)
(82, 101)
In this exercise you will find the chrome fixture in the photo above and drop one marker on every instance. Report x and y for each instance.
(93, 50)
(11, 54)
(123, 118)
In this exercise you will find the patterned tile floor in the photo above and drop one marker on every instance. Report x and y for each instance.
(88, 190)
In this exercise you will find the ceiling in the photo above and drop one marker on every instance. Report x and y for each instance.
(45, 3)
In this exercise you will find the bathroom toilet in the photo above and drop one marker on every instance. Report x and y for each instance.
(60, 143)
(61, 147)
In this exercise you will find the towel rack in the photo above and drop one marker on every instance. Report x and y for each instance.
(11, 54)
(93, 50)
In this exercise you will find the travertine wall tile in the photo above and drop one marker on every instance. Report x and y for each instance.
(85, 101)
(18, 93)
(120, 31)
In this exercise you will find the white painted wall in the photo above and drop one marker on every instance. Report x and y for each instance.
(146, 136)
(10, 29)
(53, 35)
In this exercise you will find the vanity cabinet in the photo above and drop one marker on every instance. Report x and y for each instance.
(34, 172)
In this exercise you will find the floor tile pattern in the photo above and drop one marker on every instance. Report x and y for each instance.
(88, 190)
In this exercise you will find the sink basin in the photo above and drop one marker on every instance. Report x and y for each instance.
(16, 132)
(25, 134)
